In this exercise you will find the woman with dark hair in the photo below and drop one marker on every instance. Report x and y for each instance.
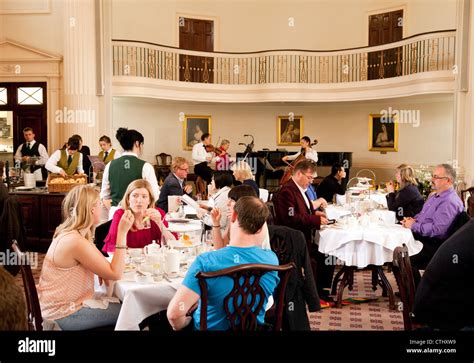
(221, 239)
(218, 192)
(119, 173)
(306, 149)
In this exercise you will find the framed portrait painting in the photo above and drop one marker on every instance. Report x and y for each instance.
(193, 128)
(289, 131)
(383, 133)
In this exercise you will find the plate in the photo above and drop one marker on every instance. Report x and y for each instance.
(179, 220)
(181, 244)
(24, 188)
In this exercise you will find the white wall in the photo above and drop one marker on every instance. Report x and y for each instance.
(338, 127)
(249, 25)
(41, 31)
(241, 25)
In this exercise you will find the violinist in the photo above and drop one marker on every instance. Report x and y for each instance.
(222, 156)
(306, 150)
(202, 156)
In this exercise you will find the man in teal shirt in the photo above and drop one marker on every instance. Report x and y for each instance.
(247, 220)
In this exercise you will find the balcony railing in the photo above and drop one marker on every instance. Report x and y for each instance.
(425, 52)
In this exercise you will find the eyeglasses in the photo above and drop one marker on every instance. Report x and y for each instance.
(184, 169)
(439, 177)
(310, 177)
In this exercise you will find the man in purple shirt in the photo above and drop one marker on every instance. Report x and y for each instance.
(432, 226)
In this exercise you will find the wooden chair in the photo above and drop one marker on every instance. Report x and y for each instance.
(163, 159)
(35, 320)
(246, 296)
(163, 166)
(406, 284)
(467, 197)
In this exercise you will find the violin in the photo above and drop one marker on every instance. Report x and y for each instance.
(216, 150)
(289, 169)
(212, 149)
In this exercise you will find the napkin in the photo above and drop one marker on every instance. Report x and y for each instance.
(100, 303)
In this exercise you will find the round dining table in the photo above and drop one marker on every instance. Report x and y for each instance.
(359, 246)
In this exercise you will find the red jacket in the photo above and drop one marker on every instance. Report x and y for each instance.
(291, 210)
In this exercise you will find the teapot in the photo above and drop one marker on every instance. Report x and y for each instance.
(153, 248)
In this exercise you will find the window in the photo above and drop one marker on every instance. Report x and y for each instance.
(30, 95)
(3, 96)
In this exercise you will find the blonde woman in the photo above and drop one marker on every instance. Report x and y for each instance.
(243, 173)
(407, 201)
(67, 276)
(149, 221)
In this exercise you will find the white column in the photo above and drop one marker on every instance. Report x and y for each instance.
(80, 112)
(463, 138)
(468, 140)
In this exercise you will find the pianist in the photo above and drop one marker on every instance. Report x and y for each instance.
(331, 185)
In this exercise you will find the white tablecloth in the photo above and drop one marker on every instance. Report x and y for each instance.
(380, 198)
(362, 246)
(336, 212)
(139, 301)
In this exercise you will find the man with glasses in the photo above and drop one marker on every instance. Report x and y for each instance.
(432, 226)
(293, 208)
(174, 183)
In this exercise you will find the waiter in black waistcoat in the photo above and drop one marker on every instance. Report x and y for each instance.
(32, 149)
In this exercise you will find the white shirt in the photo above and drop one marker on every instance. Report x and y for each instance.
(41, 149)
(52, 163)
(310, 154)
(220, 201)
(200, 154)
(148, 173)
(303, 193)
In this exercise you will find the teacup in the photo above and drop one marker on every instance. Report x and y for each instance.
(135, 252)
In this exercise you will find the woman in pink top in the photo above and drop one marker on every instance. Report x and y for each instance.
(67, 276)
(149, 221)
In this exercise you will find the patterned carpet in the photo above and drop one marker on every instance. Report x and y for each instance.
(373, 315)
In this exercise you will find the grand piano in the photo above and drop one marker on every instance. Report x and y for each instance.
(270, 168)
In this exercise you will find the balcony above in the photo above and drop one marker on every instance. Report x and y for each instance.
(421, 64)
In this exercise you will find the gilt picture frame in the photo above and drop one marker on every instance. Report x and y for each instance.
(383, 133)
(289, 131)
(193, 128)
